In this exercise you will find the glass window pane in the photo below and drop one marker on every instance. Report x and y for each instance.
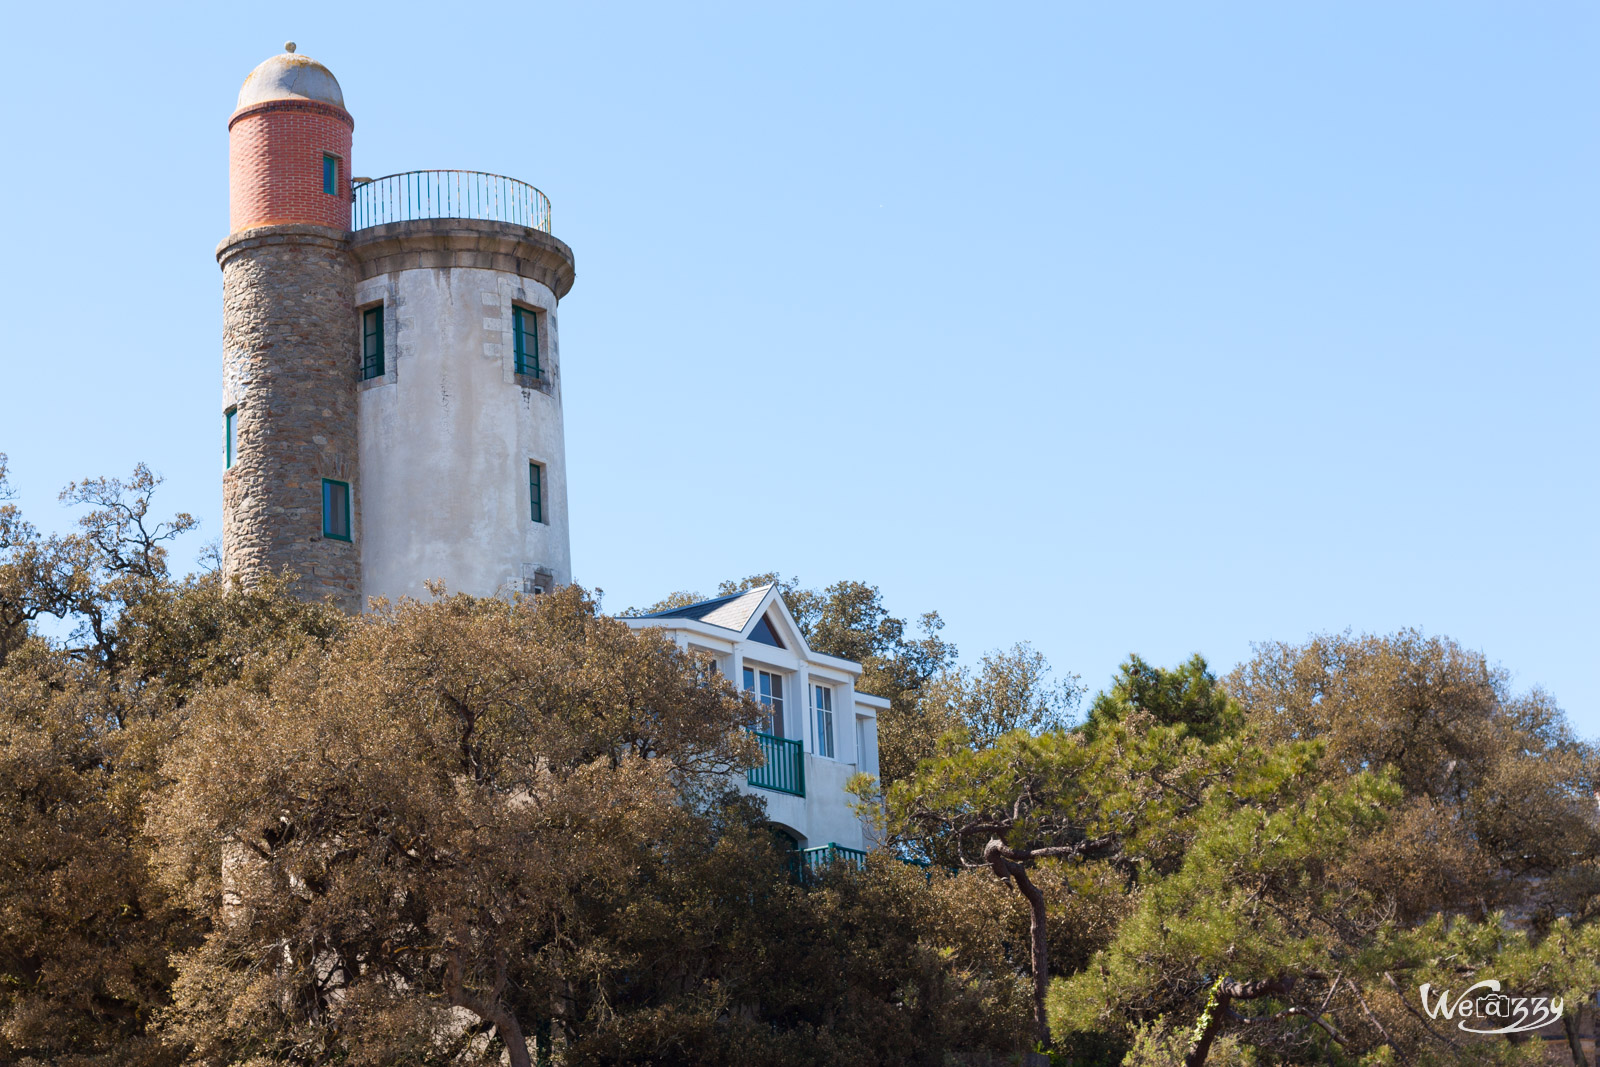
(335, 510)
(749, 678)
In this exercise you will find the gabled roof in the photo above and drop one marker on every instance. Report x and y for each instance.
(740, 612)
(732, 612)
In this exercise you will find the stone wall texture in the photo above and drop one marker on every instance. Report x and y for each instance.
(290, 350)
(275, 155)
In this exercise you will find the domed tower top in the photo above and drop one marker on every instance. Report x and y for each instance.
(288, 76)
(289, 147)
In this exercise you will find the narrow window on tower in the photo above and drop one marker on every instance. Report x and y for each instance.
(536, 491)
(525, 324)
(372, 343)
(230, 437)
(335, 509)
(330, 175)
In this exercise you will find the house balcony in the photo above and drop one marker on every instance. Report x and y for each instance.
(811, 862)
(447, 194)
(783, 765)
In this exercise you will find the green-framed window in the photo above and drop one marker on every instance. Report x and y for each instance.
(330, 175)
(335, 509)
(230, 438)
(372, 343)
(536, 491)
(525, 324)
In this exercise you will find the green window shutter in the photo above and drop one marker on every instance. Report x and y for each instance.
(230, 437)
(525, 328)
(335, 509)
(330, 175)
(536, 491)
(372, 343)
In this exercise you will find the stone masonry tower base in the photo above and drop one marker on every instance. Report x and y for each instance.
(288, 328)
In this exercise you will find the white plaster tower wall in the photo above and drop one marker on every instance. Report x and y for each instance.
(448, 432)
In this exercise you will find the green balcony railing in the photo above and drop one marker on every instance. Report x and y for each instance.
(810, 862)
(783, 765)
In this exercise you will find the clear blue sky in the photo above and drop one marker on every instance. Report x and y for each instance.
(1155, 328)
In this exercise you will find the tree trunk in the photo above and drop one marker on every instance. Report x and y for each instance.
(1201, 1048)
(1570, 1022)
(1005, 868)
(490, 1010)
(1226, 992)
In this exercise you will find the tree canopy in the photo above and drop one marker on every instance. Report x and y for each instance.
(245, 829)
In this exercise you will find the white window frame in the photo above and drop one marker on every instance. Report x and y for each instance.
(771, 699)
(822, 703)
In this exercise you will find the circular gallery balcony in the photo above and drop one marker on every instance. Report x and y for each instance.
(448, 194)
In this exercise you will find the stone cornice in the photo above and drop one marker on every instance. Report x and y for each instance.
(295, 233)
(445, 243)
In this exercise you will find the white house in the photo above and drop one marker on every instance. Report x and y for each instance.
(819, 730)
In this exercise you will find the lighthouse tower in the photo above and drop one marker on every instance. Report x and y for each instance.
(391, 363)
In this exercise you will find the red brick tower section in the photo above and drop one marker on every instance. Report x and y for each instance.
(280, 155)
(290, 488)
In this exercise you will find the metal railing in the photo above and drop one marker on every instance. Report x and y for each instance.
(783, 765)
(810, 862)
(448, 194)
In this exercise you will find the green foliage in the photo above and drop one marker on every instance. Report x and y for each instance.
(1188, 695)
(1010, 690)
(1499, 807)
